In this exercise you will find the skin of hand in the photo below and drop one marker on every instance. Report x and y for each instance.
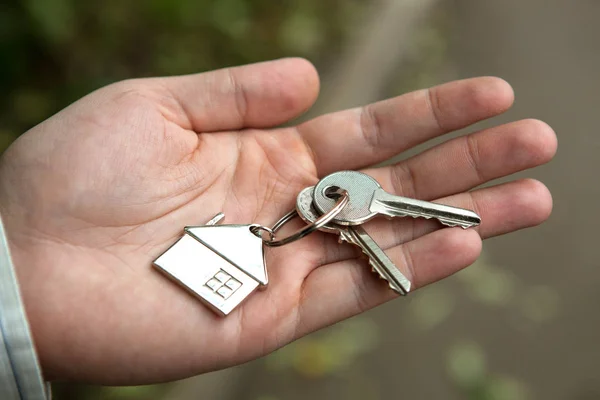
(91, 196)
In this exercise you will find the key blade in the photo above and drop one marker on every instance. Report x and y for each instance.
(398, 206)
(400, 285)
(392, 285)
(378, 260)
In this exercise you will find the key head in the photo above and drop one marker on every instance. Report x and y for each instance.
(306, 209)
(360, 188)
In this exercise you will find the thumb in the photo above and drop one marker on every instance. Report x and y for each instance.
(252, 96)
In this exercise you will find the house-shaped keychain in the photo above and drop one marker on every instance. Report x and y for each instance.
(219, 264)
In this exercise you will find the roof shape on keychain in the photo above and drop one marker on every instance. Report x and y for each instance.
(236, 244)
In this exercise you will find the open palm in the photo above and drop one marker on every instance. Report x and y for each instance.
(91, 196)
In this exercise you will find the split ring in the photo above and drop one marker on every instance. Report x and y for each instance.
(317, 224)
(260, 230)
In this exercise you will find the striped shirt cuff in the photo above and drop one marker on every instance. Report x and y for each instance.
(20, 374)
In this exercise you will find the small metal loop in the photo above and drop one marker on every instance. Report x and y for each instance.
(284, 220)
(318, 224)
(260, 230)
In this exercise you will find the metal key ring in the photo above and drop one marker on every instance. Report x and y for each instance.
(318, 224)
(260, 230)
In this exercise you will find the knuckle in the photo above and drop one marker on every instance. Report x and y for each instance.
(407, 263)
(370, 127)
(435, 106)
(361, 288)
(474, 157)
(403, 180)
(239, 94)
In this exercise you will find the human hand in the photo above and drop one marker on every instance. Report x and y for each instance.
(93, 195)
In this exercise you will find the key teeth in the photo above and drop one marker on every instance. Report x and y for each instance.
(443, 222)
(343, 239)
(455, 224)
(451, 224)
(382, 277)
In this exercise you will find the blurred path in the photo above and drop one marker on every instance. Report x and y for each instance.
(549, 50)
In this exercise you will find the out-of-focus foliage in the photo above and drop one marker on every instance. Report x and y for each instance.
(466, 365)
(492, 288)
(52, 52)
(327, 353)
(530, 307)
(427, 59)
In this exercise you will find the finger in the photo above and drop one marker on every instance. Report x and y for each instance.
(251, 96)
(507, 207)
(503, 208)
(471, 160)
(364, 136)
(356, 289)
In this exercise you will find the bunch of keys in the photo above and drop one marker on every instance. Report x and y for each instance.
(222, 276)
(368, 200)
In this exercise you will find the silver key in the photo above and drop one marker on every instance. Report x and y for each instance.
(368, 199)
(357, 236)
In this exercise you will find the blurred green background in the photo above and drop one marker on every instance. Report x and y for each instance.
(55, 51)
(521, 324)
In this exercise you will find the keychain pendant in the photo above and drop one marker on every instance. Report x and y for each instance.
(219, 264)
(223, 264)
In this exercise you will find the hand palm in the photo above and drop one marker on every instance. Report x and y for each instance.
(93, 195)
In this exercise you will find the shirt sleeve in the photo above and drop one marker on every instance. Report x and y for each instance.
(20, 374)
